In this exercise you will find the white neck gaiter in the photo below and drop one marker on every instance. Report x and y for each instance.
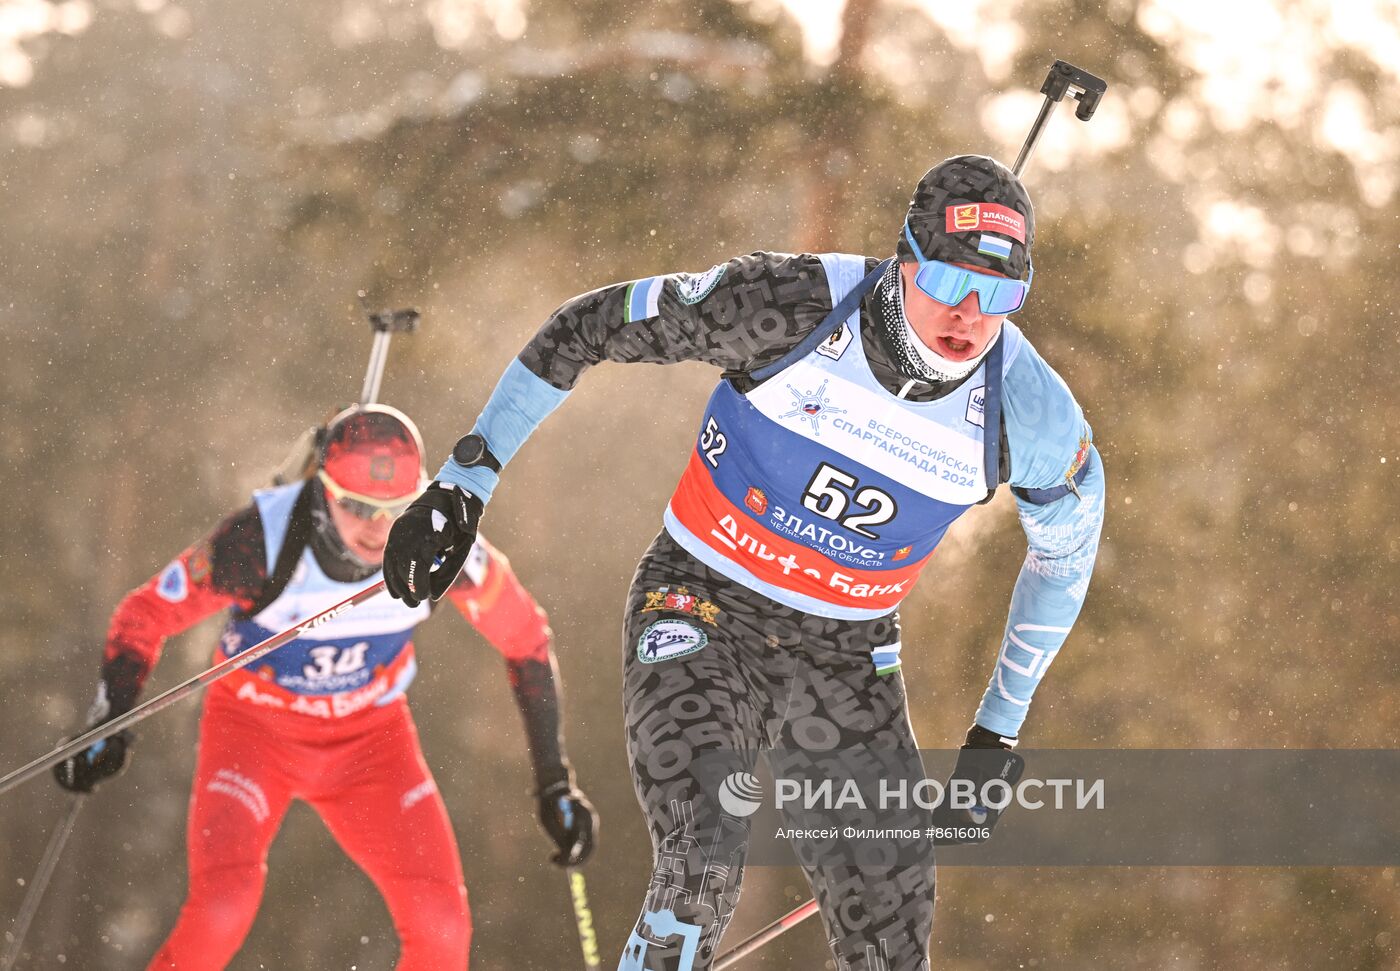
(916, 358)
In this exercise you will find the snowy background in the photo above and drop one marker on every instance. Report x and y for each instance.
(192, 192)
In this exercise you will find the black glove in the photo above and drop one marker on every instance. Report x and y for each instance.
(101, 760)
(569, 819)
(439, 527)
(983, 757)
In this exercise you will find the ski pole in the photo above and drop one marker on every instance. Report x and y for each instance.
(385, 324)
(299, 463)
(181, 691)
(47, 863)
(1064, 78)
(782, 925)
(583, 916)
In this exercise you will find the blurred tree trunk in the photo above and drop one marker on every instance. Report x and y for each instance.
(831, 161)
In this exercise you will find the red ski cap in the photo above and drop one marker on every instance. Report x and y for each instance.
(374, 451)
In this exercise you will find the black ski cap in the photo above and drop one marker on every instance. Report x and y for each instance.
(971, 209)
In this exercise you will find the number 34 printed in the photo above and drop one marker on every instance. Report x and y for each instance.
(329, 660)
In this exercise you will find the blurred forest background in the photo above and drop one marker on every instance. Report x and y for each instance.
(192, 192)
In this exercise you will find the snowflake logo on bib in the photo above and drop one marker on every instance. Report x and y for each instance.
(813, 405)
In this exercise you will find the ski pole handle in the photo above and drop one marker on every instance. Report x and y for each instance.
(385, 324)
(1064, 78)
(181, 691)
(374, 374)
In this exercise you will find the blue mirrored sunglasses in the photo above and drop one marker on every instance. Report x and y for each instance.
(949, 284)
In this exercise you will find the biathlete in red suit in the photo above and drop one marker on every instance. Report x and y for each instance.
(324, 718)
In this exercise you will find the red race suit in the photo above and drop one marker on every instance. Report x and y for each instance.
(323, 719)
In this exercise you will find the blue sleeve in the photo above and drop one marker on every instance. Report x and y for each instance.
(516, 407)
(1049, 440)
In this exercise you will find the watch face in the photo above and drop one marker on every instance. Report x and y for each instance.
(469, 450)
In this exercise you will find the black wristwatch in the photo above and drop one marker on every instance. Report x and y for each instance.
(472, 451)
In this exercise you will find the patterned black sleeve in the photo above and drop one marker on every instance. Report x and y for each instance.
(737, 316)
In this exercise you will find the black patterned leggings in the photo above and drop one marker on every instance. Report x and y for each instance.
(712, 667)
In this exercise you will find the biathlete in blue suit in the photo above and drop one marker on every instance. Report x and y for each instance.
(864, 406)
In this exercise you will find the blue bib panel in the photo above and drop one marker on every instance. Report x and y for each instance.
(822, 490)
(363, 657)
